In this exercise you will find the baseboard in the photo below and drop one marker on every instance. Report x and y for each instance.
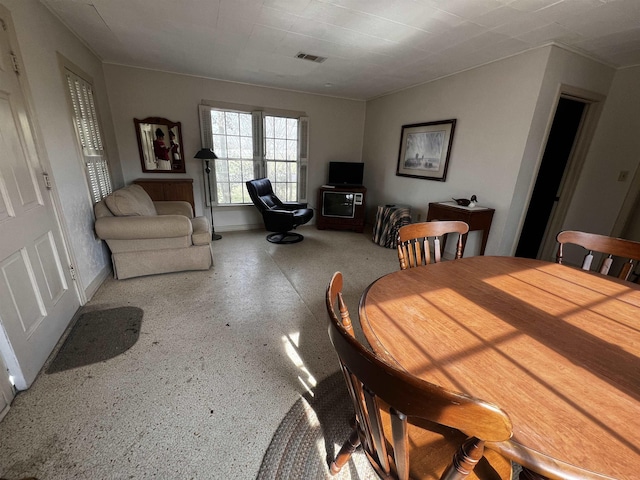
(251, 226)
(99, 280)
(240, 228)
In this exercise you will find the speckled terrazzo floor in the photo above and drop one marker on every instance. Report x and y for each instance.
(222, 356)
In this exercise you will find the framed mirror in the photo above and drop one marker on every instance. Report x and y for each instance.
(160, 145)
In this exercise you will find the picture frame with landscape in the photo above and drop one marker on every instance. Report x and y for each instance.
(425, 149)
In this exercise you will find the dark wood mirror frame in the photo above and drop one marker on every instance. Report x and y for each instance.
(160, 145)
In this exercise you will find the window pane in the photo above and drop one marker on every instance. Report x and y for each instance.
(246, 128)
(281, 172)
(222, 171)
(292, 172)
(269, 149)
(280, 149)
(237, 190)
(292, 128)
(271, 171)
(233, 147)
(232, 123)
(217, 122)
(246, 147)
(292, 150)
(247, 170)
(280, 190)
(235, 171)
(280, 125)
(268, 127)
(220, 146)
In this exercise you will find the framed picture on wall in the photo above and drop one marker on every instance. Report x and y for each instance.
(424, 150)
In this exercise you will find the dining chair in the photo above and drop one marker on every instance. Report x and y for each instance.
(410, 428)
(414, 248)
(610, 246)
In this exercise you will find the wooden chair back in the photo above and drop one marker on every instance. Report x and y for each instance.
(610, 246)
(414, 248)
(407, 427)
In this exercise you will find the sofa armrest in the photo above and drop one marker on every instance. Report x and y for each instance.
(174, 208)
(137, 227)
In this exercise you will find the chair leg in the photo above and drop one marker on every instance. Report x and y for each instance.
(349, 446)
(464, 460)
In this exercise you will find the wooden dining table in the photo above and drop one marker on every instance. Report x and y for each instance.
(556, 347)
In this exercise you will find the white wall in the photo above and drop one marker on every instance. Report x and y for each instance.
(615, 148)
(41, 36)
(504, 111)
(335, 126)
(562, 69)
(494, 106)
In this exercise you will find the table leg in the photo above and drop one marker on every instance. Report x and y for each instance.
(485, 237)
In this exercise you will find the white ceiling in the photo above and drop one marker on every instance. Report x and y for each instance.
(372, 47)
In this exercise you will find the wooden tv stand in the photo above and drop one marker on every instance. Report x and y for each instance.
(336, 222)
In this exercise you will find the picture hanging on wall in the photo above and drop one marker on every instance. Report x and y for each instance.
(424, 150)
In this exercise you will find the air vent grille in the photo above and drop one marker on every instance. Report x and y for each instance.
(311, 58)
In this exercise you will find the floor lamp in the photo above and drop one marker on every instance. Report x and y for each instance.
(207, 154)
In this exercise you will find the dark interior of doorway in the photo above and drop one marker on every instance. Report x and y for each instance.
(554, 162)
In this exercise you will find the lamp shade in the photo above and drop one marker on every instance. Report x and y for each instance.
(206, 154)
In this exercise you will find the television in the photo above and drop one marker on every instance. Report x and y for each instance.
(346, 173)
(340, 204)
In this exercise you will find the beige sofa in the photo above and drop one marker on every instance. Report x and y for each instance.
(147, 237)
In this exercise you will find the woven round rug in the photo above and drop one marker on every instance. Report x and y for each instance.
(311, 434)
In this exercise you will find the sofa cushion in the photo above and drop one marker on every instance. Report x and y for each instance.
(130, 201)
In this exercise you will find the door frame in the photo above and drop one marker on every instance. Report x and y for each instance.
(594, 103)
(631, 202)
(6, 350)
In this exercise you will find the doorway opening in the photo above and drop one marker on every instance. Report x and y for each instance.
(550, 182)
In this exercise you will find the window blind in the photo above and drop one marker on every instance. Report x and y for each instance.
(85, 120)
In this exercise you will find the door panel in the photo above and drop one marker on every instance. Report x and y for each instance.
(50, 267)
(36, 301)
(21, 306)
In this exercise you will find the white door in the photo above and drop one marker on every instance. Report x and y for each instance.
(37, 297)
(6, 390)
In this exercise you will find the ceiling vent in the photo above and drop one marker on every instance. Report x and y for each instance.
(311, 58)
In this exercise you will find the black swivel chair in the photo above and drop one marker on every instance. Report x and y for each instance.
(278, 217)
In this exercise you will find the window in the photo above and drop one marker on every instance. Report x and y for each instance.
(281, 155)
(87, 128)
(252, 145)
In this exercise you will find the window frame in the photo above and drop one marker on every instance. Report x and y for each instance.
(259, 160)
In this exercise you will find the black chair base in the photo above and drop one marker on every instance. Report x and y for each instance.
(284, 237)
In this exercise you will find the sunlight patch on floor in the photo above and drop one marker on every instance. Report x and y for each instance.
(291, 343)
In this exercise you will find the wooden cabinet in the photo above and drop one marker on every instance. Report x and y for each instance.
(160, 189)
(341, 208)
(478, 218)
